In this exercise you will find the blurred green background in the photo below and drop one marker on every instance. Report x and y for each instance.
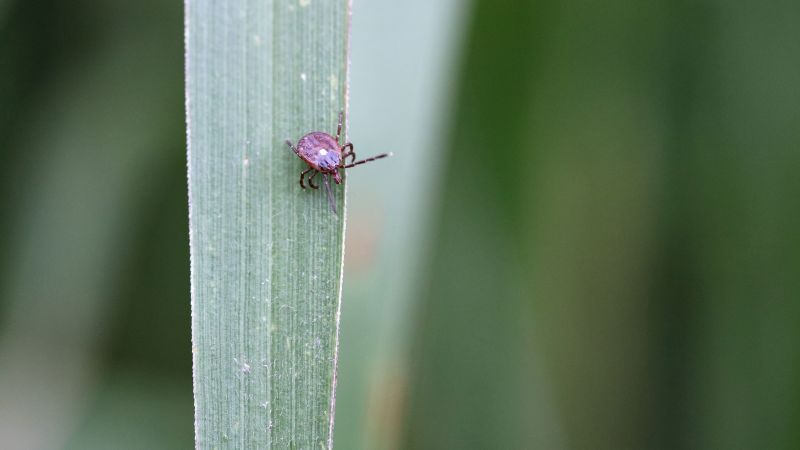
(587, 238)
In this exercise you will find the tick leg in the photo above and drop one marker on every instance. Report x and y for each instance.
(311, 182)
(331, 201)
(339, 129)
(303, 174)
(382, 155)
(294, 149)
(346, 154)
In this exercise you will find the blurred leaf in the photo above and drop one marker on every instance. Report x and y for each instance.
(475, 381)
(729, 256)
(92, 135)
(137, 411)
(266, 255)
(618, 268)
(4, 6)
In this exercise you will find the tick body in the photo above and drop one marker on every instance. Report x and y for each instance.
(323, 154)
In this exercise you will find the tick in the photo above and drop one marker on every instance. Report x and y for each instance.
(324, 155)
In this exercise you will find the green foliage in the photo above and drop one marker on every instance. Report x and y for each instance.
(266, 255)
(92, 301)
(614, 250)
(616, 255)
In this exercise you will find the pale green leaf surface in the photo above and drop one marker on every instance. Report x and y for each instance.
(266, 255)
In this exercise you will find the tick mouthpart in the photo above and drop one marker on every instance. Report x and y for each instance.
(336, 177)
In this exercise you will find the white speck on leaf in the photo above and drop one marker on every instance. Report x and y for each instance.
(243, 366)
(334, 86)
(303, 76)
(304, 3)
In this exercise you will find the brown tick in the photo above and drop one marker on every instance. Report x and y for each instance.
(324, 155)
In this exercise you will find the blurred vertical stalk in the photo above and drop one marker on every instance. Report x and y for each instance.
(530, 332)
(78, 131)
(266, 256)
(624, 255)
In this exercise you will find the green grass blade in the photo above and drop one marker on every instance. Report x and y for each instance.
(266, 255)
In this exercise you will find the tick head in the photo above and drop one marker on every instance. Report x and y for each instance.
(336, 177)
(327, 159)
